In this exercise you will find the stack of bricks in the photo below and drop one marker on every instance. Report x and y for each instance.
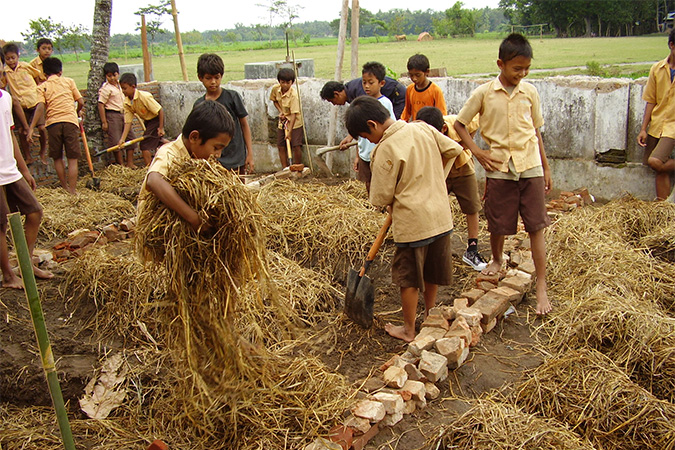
(569, 201)
(79, 241)
(406, 382)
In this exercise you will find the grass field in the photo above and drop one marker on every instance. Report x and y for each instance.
(460, 56)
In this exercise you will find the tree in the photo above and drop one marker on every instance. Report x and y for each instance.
(45, 28)
(274, 9)
(156, 15)
(457, 21)
(75, 38)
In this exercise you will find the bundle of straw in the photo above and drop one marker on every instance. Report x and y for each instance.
(64, 212)
(326, 227)
(118, 180)
(497, 424)
(588, 392)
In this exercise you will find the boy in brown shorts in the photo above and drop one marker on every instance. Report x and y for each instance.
(516, 168)
(56, 98)
(287, 102)
(409, 165)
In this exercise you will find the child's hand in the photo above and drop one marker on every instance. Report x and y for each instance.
(345, 142)
(356, 164)
(287, 132)
(29, 135)
(487, 161)
(642, 138)
(160, 131)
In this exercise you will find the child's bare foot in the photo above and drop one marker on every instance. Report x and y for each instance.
(399, 332)
(543, 305)
(42, 274)
(493, 268)
(12, 281)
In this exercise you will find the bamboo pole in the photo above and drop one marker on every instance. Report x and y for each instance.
(147, 63)
(304, 128)
(30, 287)
(179, 41)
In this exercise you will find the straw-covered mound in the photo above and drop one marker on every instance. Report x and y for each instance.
(497, 424)
(119, 180)
(64, 212)
(587, 391)
(329, 228)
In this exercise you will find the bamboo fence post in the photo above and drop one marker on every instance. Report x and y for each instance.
(179, 40)
(30, 287)
(147, 61)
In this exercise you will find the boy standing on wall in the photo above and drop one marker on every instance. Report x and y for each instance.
(287, 102)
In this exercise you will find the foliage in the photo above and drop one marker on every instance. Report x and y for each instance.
(75, 38)
(457, 21)
(156, 15)
(594, 69)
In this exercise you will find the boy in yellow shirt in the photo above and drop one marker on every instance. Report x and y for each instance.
(44, 48)
(143, 105)
(287, 102)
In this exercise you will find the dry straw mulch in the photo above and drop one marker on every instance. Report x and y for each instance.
(587, 391)
(118, 180)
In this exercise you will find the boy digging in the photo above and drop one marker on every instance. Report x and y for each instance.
(516, 168)
(422, 92)
(290, 128)
(409, 164)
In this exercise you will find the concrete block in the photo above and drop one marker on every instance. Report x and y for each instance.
(395, 377)
(269, 69)
(432, 391)
(420, 344)
(433, 366)
(472, 295)
(393, 403)
(415, 388)
(436, 322)
(472, 315)
(369, 409)
(492, 305)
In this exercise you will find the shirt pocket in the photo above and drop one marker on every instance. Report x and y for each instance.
(525, 112)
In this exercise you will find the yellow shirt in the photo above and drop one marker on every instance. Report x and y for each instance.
(290, 103)
(659, 91)
(508, 123)
(167, 155)
(408, 173)
(22, 83)
(464, 164)
(143, 104)
(59, 95)
(37, 63)
(111, 96)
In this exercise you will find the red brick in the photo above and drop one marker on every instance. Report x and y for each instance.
(472, 295)
(361, 441)
(342, 435)
(436, 322)
(487, 327)
(460, 329)
(494, 279)
(513, 295)
(492, 305)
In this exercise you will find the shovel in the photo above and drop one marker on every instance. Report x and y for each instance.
(360, 295)
(95, 182)
(332, 148)
(119, 146)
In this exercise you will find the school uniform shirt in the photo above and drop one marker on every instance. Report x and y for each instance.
(234, 155)
(659, 91)
(21, 81)
(508, 122)
(37, 63)
(9, 172)
(166, 155)
(111, 96)
(59, 94)
(464, 164)
(365, 146)
(408, 173)
(289, 101)
(392, 89)
(143, 104)
(417, 99)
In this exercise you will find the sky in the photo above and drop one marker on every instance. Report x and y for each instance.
(201, 15)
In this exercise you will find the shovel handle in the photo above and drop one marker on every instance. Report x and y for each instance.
(120, 146)
(323, 150)
(376, 245)
(86, 149)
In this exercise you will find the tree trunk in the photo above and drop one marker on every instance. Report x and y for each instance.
(355, 39)
(100, 38)
(587, 24)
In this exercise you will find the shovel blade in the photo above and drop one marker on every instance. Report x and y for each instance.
(359, 299)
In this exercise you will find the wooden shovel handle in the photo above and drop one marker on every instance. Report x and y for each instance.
(376, 245)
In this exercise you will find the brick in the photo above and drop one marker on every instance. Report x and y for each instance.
(462, 357)
(449, 313)
(42, 255)
(420, 404)
(323, 444)
(516, 259)
(460, 303)
(432, 391)
(359, 425)
(373, 384)
(512, 294)
(472, 295)
(520, 284)
(127, 225)
(487, 327)
(421, 343)
(434, 366)
(369, 409)
(451, 348)
(492, 305)
(472, 315)
(410, 407)
(391, 419)
(484, 285)
(494, 279)
(476, 333)
(112, 233)
(342, 435)
(409, 357)
(393, 361)
(461, 329)
(415, 388)
(585, 196)
(413, 372)
(405, 395)
(436, 322)
(84, 239)
(361, 441)
(528, 267)
(395, 377)
(435, 311)
(393, 403)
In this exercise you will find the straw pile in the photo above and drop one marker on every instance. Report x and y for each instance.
(64, 213)
(588, 392)
(329, 228)
(118, 180)
(498, 424)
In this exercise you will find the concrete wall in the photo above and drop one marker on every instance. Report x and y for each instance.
(584, 116)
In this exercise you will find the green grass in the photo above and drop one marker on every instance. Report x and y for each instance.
(460, 56)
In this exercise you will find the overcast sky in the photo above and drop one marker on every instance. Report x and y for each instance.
(199, 15)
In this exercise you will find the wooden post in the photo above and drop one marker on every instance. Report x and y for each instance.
(179, 41)
(147, 61)
(342, 38)
(355, 39)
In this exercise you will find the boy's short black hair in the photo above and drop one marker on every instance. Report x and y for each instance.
(110, 67)
(10, 47)
(514, 45)
(210, 119)
(41, 42)
(374, 68)
(329, 89)
(128, 78)
(431, 115)
(52, 66)
(671, 36)
(286, 74)
(360, 111)
(418, 62)
(210, 64)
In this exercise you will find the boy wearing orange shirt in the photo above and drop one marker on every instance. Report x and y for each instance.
(422, 92)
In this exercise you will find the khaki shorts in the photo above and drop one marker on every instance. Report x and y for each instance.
(14, 197)
(664, 150)
(413, 266)
(466, 191)
(296, 137)
(64, 135)
(504, 199)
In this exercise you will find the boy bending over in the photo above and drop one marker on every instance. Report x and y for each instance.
(517, 171)
(409, 166)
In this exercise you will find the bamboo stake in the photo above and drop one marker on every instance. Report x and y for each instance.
(304, 128)
(30, 287)
(147, 61)
(179, 41)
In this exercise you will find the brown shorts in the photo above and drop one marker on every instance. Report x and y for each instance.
(466, 191)
(504, 199)
(152, 139)
(29, 113)
(296, 137)
(413, 266)
(17, 196)
(364, 173)
(649, 148)
(115, 121)
(664, 150)
(64, 135)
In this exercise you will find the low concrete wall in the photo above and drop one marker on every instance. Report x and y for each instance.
(584, 116)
